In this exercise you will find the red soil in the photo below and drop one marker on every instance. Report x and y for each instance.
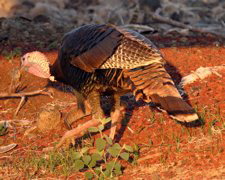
(172, 151)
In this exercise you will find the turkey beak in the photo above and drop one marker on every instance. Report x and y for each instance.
(23, 67)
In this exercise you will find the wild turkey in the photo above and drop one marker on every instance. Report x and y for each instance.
(106, 58)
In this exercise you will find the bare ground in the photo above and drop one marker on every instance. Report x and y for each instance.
(169, 150)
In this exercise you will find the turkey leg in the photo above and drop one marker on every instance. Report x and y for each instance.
(77, 114)
(97, 113)
(115, 115)
(70, 135)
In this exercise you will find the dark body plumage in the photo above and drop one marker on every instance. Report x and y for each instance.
(81, 57)
(100, 58)
(85, 52)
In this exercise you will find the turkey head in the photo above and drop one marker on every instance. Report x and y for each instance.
(37, 64)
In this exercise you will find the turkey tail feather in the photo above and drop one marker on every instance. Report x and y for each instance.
(156, 84)
(176, 107)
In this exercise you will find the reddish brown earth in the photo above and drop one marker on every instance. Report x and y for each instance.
(168, 150)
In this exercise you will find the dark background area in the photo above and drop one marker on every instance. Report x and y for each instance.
(40, 24)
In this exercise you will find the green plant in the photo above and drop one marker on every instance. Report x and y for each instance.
(104, 148)
(3, 129)
(152, 118)
(161, 119)
(53, 45)
(100, 160)
(177, 142)
(9, 55)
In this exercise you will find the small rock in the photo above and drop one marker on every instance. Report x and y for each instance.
(49, 119)
(41, 19)
(150, 4)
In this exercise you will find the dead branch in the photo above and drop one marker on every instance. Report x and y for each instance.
(22, 102)
(181, 25)
(150, 156)
(23, 94)
(201, 73)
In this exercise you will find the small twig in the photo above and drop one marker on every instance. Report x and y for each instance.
(22, 94)
(30, 130)
(15, 81)
(150, 156)
(22, 101)
(20, 122)
(131, 130)
(4, 149)
(181, 25)
(5, 157)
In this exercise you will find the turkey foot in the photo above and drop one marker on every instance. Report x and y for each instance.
(70, 135)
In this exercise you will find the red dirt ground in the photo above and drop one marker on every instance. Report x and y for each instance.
(169, 150)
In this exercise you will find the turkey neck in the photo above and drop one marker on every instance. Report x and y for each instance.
(66, 73)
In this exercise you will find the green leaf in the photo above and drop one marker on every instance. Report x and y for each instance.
(112, 151)
(102, 177)
(107, 172)
(96, 157)
(3, 129)
(136, 147)
(125, 156)
(86, 159)
(135, 157)
(101, 127)
(76, 155)
(97, 170)
(88, 175)
(100, 144)
(117, 166)
(108, 139)
(101, 152)
(118, 172)
(117, 146)
(78, 164)
(84, 150)
(129, 148)
(92, 163)
(93, 129)
(110, 165)
(105, 120)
